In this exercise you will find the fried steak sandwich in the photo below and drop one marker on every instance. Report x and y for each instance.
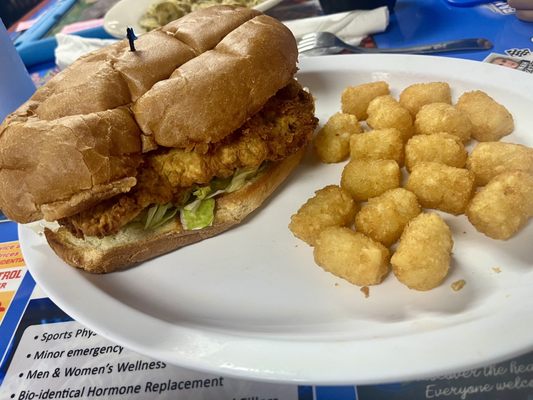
(136, 154)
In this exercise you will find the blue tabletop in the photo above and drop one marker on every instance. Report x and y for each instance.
(426, 21)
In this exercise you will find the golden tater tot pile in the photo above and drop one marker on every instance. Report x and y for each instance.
(376, 218)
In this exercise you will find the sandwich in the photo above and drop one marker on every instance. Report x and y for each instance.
(137, 153)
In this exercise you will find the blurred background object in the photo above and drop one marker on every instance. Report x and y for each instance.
(16, 85)
(335, 6)
(12, 10)
(524, 9)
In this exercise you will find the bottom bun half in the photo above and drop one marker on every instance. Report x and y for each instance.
(135, 244)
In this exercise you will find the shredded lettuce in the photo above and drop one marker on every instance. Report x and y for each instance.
(159, 214)
(199, 211)
(202, 192)
(199, 216)
(240, 178)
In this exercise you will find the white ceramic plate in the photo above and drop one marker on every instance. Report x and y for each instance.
(126, 13)
(252, 303)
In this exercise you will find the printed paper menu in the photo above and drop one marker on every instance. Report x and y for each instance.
(65, 360)
(12, 271)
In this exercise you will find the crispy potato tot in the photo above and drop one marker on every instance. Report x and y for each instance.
(355, 99)
(502, 207)
(419, 94)
(364, 179)
(489, 159)
(439, 147)
(380, 144)
(422, 259)
(332, 143)
(381, 101)
(384, 217)
(442, 187)
(385, 112)
(443, 117)
(330, 206)
(490, 120)
(352, 256)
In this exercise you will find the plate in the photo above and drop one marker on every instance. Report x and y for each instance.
(252, 303)
(126, 13)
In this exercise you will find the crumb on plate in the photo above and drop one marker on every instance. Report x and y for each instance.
(458, 285)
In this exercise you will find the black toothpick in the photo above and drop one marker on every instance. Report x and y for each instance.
(130, 34)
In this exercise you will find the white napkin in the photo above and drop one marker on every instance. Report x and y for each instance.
(71, 47)
(351, 26)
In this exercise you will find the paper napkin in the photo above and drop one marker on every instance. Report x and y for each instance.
(71, 47)
(351, 26)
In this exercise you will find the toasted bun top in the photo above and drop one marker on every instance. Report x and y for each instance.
(80, 138)
(217, 106)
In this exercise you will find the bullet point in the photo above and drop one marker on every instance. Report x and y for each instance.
(13, 396)
(28, 356)
(21, 375)
(35, 337)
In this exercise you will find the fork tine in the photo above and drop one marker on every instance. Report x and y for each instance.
(306, 42)
(303, 46)
(309, 35)
(315, 40)
(306, 46)
(303, 49)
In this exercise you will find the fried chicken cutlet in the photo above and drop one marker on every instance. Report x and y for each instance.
(283, 126)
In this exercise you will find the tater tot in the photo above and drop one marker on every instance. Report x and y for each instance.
(443, 117)
(419, 94)
(503, 206)
(489, 159)
(490, 120)
(332, 143)
(385, 112)
(364, 179)
(422, 259)
(352, 256)
(330, 206)
(380, 144)
(384, 217)
(355, 99)
(381, 101)
(442, 187)
(440, 147)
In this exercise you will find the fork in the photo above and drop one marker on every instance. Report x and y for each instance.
(319, 43)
